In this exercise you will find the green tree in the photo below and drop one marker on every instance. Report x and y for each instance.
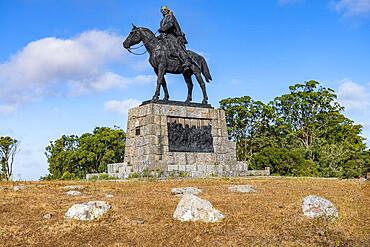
(103, 146)
(73, 156)
(8, 150)
(61, 155)
(310, 117)
(299, 133)
(249, 124)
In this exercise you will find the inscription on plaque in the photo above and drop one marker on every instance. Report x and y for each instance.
(189, 135)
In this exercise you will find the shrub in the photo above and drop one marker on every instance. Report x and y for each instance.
(134, 175)
(284, 162)
(68, 176)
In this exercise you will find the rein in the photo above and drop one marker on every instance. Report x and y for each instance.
(138, 54)
(143, 44)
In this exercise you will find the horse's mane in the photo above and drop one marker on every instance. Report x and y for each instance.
(146, 29)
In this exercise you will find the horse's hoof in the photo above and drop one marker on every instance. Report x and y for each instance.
(205, 102)
(155, 99)
(187, 101)
(166, 98)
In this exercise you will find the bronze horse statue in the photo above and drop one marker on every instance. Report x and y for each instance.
(162, 62)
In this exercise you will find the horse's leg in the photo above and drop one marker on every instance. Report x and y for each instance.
(189, 83)
(202, 86)
(164, 85)
(160, 76)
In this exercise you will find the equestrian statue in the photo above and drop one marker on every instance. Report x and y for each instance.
(168, 54)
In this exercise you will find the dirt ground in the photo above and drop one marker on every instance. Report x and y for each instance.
(141, 214)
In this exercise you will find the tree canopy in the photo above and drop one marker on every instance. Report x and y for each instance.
(73, 157)
(302, 133)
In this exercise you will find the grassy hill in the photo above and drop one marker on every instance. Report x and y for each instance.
(141, 214)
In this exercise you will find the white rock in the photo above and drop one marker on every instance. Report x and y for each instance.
(87, 211)
(73, 193)
(362, 180)
(315, 206)
(193, 208)
(242, 188)
(73, 187)
(47, 216)
(109, 196)
(139, 221)
(19, 187)
(186, 190)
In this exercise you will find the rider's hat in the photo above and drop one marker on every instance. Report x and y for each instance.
(164, 7)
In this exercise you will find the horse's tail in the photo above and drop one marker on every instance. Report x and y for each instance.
(204, 68)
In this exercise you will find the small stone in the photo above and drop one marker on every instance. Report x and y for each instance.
(242, 188)
(87, 211)
(193, 208)
(2, 188)
(139, 221)
(73, 187)
(19, 187)
(73, 193)
(362, 179)
(321, 232)
(186, 190)
(47, 216)
(109, 196)
(315, 206)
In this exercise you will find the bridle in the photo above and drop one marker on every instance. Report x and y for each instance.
(143, 44)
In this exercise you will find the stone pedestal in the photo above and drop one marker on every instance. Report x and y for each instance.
(170, 138)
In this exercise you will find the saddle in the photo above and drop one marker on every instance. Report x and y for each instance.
(172, 48)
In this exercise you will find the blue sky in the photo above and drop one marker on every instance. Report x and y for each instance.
(63, 69)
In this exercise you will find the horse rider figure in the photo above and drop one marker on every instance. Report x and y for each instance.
(173, 37)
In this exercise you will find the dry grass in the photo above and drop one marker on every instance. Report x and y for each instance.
(270, 217)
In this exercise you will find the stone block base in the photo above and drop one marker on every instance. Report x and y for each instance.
(169, 137)
(173, 139)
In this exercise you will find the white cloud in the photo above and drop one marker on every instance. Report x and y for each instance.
(50, 66)
(356, 100)
(107, 81)
(350, 8)
(121, 107)
(4, 109)
(285, 2)
(353, 96)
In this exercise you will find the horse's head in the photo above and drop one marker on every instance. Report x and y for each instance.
(133, 38)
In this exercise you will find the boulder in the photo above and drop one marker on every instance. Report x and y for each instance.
(73, 187)
(242, 188)
(19, 187)
(315, 206)
(87, 211)
(193, 208)
(73, 193)
(186, 190)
